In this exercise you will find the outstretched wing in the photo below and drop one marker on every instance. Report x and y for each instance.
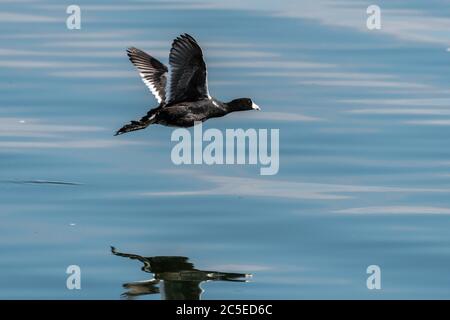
(144, 260)
(188, 70)
(152, 72)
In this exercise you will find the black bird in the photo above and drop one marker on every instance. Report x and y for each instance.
(189, 100)
(176, 276)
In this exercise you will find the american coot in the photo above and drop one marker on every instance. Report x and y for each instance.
(176, 276)
(189, 97)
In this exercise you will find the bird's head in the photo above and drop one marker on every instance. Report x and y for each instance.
(242, 104)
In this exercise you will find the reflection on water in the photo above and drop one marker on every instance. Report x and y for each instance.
(176, 276)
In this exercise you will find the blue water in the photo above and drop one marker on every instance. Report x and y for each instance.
(364, 179)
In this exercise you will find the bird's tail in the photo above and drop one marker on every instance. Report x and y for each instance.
(143, 123)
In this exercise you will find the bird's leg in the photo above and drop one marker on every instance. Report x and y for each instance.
(132, 126)
(137, 125)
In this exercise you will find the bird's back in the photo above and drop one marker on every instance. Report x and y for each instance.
(184, 114)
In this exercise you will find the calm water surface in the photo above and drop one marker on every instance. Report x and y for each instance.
(364, 119)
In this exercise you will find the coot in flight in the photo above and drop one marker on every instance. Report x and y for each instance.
(189, 100)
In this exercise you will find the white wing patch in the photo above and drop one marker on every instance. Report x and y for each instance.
(153, 89)
(153, 73)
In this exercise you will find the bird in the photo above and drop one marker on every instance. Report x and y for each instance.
(189, 101)
(176, 276)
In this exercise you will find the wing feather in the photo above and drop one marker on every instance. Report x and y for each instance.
(152, 72)
(188, 70)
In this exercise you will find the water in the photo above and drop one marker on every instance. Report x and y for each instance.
(364, 162)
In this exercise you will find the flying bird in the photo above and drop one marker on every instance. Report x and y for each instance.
(189, 100)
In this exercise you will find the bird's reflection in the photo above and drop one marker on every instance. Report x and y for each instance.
(175, 278)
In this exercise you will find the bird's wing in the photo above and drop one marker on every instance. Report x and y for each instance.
(181, 290)
(144, 260)
(188, 70)
(152, 72)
